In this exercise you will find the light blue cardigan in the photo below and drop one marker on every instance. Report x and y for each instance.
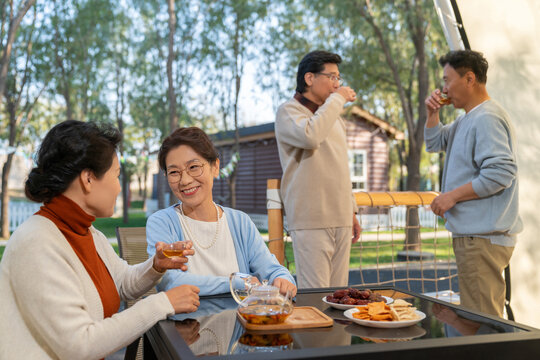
(252, 254)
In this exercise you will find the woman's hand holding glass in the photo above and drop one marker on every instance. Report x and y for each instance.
(172, 255)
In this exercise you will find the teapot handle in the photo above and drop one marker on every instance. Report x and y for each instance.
(240, 284)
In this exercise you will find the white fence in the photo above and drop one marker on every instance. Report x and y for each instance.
(19, 211)
(397, 219)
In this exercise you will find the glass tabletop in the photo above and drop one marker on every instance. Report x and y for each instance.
(215, 330)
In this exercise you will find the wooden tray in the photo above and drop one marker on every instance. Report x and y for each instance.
(301, 318)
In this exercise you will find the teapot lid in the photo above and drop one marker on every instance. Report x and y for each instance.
(264, 289)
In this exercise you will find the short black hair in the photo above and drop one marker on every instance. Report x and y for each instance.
(467, 60)
(193, 137)
(69, 148)
(313, 62)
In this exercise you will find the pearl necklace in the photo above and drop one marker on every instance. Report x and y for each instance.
(216, 339)
(188, 230)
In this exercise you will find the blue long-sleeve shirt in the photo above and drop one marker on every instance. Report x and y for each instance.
(252, 254)
(481, 149)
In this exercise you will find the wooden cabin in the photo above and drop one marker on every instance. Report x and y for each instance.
(367, 136)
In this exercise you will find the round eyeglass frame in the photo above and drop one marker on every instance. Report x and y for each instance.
(186, 169)
(332, 77)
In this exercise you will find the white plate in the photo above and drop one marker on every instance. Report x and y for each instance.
(389, 300)
(384, 324)
(386, 335)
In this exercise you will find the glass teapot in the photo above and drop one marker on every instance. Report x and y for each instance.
(260, 304)
(252, 342)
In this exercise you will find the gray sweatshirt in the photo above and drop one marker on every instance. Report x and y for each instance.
(480, 148)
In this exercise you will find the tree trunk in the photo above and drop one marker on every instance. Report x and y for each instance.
(11, 109)
(6, 53)
(125, 193)
(67, 99)
(232, 189)
(119, 109)
(85, 99)
(64, 87)
(412, 241)
(173, 118)
(237, 78)
(416, 137)
(15, 124)
(400, 148)
(4, 211)
(161, 187)
(145, 177)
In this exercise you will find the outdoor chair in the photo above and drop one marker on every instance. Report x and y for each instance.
(132, 248)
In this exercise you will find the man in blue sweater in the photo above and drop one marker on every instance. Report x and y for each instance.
(479, 197)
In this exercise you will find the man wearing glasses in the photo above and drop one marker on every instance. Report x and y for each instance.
(316, 186)
(480, 186)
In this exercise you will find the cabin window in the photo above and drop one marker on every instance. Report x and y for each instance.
(357, 166)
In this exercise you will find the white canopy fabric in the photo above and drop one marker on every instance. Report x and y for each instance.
(507, 32)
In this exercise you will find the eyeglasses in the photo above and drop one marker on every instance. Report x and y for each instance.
(195, 169)
(332, 77)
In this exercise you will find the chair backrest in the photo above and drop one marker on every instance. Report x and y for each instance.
(132, 244)
(132, 248)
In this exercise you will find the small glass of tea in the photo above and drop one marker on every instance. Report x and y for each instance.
(174, 249)
(444, 99)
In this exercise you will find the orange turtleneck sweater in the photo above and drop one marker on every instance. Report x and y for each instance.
(75, 224)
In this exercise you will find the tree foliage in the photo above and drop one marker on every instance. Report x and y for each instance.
(99, 60)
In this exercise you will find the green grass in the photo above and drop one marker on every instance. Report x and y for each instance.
(108, 225)
(115, 247)
(136, 204)
(365, 254)
(370, 253)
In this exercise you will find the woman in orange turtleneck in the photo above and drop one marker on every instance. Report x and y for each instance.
(61, 281)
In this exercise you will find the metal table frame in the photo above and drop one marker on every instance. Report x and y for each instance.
(164, 342)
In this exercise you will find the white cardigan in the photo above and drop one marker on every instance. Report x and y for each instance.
(50, 307)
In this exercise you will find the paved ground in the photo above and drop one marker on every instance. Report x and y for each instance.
(421, 279)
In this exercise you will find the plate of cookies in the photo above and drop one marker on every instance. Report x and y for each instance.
(380, 315)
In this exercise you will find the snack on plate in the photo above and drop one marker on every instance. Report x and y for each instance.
(375, 311)
(401, 310)
(353, 296)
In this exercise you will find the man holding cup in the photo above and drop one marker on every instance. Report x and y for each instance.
(316, 186)
(479, 197)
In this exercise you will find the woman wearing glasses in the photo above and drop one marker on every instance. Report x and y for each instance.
(225, 240)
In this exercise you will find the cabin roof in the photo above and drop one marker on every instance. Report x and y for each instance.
(265, 131)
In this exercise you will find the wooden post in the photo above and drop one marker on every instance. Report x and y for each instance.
(275, 219)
